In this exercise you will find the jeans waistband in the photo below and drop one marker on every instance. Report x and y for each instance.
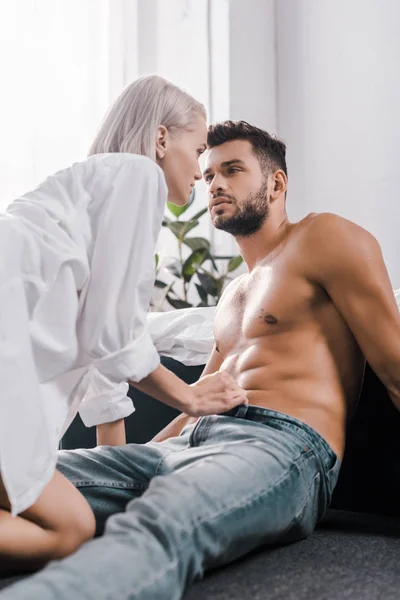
(268, 416)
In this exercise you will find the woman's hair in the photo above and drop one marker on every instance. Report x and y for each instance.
(131, 122)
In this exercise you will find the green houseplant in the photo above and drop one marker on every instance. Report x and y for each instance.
(198, 275)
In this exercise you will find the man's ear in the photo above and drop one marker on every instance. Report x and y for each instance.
(279, 184)
(162, 142)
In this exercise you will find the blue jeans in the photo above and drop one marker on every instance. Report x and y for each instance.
(173, 509)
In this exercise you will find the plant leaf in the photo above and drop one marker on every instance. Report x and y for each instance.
(177, 303)
(177, 211)
(181, 228)
(234, 263)
(193, 262)
(202, 293)
(199, 214)
(214, 264)
(197, 243)
(220, 284)
(189, 226)
(160, 284)
(208, 283)
(174, 267)
(203, 270)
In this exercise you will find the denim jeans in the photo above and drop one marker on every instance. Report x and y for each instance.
(171, 510)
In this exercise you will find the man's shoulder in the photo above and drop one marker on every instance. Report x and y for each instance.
(330, 244)
(327, 231)
(326, 221)
(233, 285)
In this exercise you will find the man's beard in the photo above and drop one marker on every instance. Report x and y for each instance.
(249, 218)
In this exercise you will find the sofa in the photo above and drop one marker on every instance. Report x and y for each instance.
(355, 551)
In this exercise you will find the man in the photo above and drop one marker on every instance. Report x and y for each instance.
(293, 332)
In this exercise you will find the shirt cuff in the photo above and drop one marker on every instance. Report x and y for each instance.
(135, 362)
(103, 388)
(104, 401)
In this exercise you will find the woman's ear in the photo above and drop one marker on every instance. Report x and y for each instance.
(162, 142)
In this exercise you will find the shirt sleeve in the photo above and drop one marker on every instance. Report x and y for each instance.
(112, 328)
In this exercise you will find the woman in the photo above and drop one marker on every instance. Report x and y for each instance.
(75, 283)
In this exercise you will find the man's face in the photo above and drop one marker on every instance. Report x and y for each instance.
(237, 187)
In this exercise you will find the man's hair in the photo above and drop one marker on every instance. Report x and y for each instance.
(270, 151)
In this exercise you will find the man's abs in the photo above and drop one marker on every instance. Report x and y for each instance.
(301, 374)
(285, 343)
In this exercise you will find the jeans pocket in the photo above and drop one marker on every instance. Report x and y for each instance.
(307, 515)
(333, 474)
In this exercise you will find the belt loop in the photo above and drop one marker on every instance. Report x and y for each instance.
(241, 411)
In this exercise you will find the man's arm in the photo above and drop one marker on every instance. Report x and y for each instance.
(214, 362)
(347, 262)
(175, 427)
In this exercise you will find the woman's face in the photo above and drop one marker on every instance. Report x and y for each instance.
(178, 156)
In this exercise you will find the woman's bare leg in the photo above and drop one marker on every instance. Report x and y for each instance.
(55, 526)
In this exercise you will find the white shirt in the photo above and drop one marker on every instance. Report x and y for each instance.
(187, 334)
(76, 274)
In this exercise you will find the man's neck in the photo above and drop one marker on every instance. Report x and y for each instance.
(260, 245)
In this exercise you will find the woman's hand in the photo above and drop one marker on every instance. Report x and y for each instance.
(212, 394)
(215, 393)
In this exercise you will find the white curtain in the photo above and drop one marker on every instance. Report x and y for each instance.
(190, 46)
(61, 62)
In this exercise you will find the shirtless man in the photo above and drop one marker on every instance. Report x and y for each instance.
(293, 332)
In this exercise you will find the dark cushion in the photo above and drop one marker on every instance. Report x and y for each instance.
(369, 479)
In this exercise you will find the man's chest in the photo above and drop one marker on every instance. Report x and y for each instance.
(268, 302)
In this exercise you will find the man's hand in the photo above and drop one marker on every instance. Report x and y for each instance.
(174, 429)
(215, 393)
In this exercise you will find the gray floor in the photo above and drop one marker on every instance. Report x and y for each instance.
(349, 556)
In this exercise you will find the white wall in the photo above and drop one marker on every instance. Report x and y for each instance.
(252, 87)
(61, 63)
(252, 62)
(325, 75)
(339, 112)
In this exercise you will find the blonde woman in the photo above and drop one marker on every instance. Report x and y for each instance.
(76, 274)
